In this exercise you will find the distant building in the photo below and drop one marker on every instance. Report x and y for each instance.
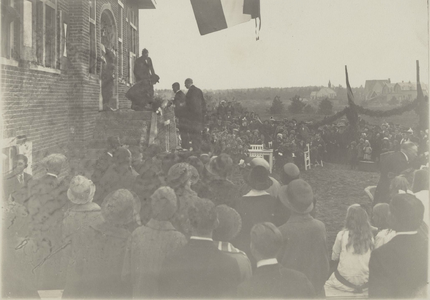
(373, 88)
(323, 93)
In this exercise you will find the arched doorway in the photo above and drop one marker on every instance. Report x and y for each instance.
(108, 70)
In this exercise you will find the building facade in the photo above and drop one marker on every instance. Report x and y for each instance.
(56, 55)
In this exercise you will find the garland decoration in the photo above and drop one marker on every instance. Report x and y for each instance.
(329, 120)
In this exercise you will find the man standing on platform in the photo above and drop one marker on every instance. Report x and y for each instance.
(196, 108)
(181, 115)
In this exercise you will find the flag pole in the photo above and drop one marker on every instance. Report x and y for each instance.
(418, 72)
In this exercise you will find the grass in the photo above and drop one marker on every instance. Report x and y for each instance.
(336, 188)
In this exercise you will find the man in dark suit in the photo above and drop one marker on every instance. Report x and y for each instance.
(105, 160)
(398, 269)
(270, 279)
(196, 109)
(181, 115)
(17, 183)
(199, 269)
(391, 165)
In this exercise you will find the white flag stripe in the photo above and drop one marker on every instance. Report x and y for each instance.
(233, 12)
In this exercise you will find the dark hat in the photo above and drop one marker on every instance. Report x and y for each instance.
(259, 179)
(297, 196)
(220, 165)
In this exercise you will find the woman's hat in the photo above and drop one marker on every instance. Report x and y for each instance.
(119, 207)
(81, 190)
(259, 161)
(220, 165)
(180, 173)
(259, 178)
(297, 196)
(164, 203)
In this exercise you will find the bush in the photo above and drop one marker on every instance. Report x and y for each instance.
(393, 101)
(325, 107)
(309, 109)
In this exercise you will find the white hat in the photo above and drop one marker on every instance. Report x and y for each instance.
(81, 190)
(410, 130)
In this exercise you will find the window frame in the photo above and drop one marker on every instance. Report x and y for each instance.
(92, 21)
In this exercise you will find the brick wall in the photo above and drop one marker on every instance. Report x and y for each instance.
(57, 110)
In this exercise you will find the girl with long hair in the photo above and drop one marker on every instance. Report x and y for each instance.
(352, 249)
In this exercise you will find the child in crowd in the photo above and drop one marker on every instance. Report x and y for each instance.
(352, 248)
(380, 220)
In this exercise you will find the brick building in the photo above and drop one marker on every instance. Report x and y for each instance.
(54, 62)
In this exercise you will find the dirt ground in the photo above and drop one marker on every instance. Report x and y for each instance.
(336, 187)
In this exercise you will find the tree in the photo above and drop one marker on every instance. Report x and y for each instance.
(393, 101)
(296, 106)
(309, 109)
(277, 106)
(325, 107)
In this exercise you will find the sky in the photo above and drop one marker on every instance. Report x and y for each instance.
(302, 43)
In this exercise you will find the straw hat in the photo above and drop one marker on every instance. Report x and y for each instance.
(81, 190)
(164, 203)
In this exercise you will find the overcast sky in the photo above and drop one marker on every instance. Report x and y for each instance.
(306, 42)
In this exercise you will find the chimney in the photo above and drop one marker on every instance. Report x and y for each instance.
(389, 80)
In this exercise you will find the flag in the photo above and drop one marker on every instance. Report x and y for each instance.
(215, 15)
(348, 89)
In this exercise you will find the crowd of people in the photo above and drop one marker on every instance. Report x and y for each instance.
(151, 224)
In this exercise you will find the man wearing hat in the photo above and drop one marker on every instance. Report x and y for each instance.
(399, 268)
(150, 244)
(392, 165)
(255, 207)
(181, 115)
(305, 242)
(271, 279)
(199, 269)
(17, 183)
(106, 159)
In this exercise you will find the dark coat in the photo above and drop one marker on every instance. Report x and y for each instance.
(101, 166)
(398, 269)
(305, 249)
(199, 270)
(223, 191)
(195, 105)
(95, 267)
(391, 165)
(253, 210)
(18, 190)
(275, 281)
(180, 108)
(143, 69)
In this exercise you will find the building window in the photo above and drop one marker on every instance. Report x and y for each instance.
(10, 28)
(132, 60)
(93, 51)
(45, 31)
(132, 42)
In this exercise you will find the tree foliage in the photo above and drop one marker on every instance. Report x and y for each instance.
(277, 106)
(296, 106)
(326, 107)
(393, 101)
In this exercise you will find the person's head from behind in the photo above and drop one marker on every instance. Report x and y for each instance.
(360, 232)
(406, 213)
(399, 183)
(122, 157)
(203, 218)
(230, 223)
(54, 163)
(410, 149)
(176, 87)
(20, 163)
(196, 163)
(113, 143)
(266, 241)
(420, 181)
(163, 203)
(182, 175)
(380, 215)
(118, 207)
(145, 53)
(289, 173)
(188, 83)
